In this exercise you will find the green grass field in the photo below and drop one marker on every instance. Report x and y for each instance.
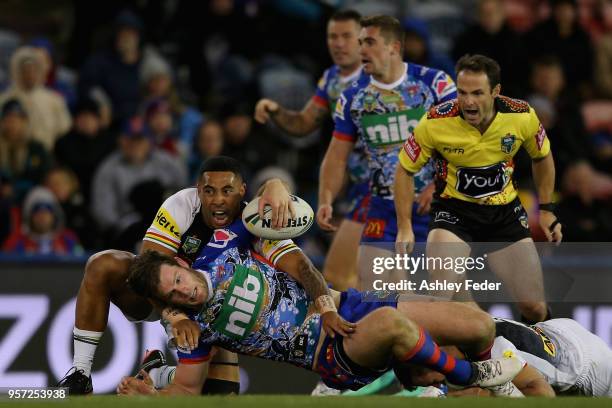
(270, 401)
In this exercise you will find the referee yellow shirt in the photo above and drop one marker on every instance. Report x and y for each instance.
(471, 166)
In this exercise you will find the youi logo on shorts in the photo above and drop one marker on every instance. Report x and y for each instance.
(391, 128)
(241, 304)
(478, 182)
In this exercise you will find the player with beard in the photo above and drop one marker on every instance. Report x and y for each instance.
(234, 244)
(245, 308)
(185, 222)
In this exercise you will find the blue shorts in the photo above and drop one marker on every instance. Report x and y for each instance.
(359, 198)
(381, 222)
(354, 305)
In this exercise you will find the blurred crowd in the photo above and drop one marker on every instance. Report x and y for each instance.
(111, 107)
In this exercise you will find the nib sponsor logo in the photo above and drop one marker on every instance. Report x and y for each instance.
(391, 128)
(242, 303)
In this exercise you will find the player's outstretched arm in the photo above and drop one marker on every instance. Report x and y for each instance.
(298, 266)
(331, 179)
(295, 123)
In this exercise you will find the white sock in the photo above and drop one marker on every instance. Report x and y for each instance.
(162, 376)
(85, 344)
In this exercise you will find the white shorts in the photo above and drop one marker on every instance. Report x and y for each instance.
(583, 354)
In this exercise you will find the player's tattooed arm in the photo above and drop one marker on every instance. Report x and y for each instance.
(302, 270)
(311, 279)
(300, 123)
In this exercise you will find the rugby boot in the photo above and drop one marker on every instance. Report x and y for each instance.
(76, 382)
(152, 359)
(494, 372)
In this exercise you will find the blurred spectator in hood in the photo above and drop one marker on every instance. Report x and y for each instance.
(42, 231)
(47, 110)
(58, 77)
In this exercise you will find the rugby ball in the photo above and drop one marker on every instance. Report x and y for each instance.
(296, 226)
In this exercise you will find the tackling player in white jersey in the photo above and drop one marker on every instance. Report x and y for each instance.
(561, 356)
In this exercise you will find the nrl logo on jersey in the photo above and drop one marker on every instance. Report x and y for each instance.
(369, 102)
(191, 245)
(507, 143)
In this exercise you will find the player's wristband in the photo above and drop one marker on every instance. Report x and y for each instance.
(553, 225)
(548, 207)
(325, 303)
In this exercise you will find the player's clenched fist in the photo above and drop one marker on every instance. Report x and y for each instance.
(404, 242)
(263, 110)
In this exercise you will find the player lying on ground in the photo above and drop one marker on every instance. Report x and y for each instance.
(256, 310)
(183, 225)
(234, 244)
(561, 356)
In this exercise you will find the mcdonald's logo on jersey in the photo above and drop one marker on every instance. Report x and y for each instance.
(375, 228)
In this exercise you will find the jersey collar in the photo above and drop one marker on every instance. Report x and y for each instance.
(352, 76)
(390, 86)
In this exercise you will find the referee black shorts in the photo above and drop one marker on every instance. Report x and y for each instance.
(480, 223)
